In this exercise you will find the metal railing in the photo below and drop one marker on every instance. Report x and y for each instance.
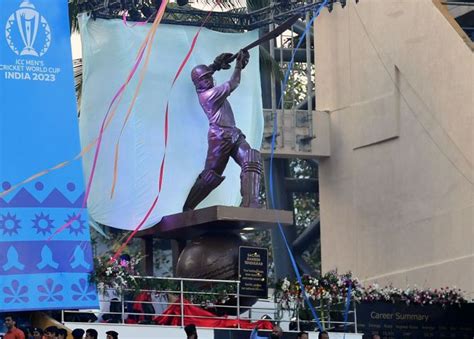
(220, 297)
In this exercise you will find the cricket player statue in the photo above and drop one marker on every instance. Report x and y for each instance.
(225, 140)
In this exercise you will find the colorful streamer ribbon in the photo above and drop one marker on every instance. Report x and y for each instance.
(112, 110)
(272, 155)
(166, 129)
(124, 20)
(135, 95)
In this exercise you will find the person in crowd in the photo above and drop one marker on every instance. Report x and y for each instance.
(191, 332)
(50, 332)
(78, 333)
(375, 336)
(91, 334)
(302, 335)
(37, 333)
(12, 331)
(111, 335)
(28, 332)
(277, 332)
(61, 333)
(115, 315)
(142, 308)
(254, 334)
(323, 335)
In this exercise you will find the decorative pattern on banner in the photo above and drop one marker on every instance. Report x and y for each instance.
(39, 128)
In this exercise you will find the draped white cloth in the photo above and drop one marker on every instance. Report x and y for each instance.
(109, 51)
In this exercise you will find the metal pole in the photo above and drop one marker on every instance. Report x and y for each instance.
(122, 298)
(329, 316)
(281, 99)
(281, 259)
(238, 304)
(298, 318)
(355, 318)
(309, 84)
(272, 76)
(181, 302)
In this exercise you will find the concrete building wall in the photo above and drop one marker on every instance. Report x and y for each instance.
(397, 191)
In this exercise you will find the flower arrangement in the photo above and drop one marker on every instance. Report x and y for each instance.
(117, 274)
(332, 288)
(443, 296)
(328, 289)
(120, 275)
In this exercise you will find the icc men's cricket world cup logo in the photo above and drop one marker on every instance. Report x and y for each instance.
(28, 27)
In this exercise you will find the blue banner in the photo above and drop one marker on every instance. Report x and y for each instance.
(38, 130)
(400, 320)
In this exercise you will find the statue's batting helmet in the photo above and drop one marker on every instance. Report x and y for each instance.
(199, 71)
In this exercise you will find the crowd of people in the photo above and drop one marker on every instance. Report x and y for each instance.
(53, 332)
(50, 332)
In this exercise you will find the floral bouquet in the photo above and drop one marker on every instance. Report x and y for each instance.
(328, 295)
(443, 296)
(328, 289)
(332, 288)
(116, 274)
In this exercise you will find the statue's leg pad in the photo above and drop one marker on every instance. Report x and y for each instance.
(205, 183)
(250, 178)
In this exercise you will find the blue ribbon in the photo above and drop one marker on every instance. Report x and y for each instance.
(280, 227)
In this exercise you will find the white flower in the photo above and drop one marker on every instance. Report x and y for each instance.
(285, 285)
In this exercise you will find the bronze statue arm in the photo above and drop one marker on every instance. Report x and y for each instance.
(241, 62)
(235, 78)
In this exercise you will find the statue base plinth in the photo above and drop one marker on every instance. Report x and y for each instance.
(191, 224)
(184, 226)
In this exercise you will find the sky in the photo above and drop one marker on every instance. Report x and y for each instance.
(76, 46)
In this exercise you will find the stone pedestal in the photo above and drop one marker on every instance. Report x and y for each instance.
(212, 221)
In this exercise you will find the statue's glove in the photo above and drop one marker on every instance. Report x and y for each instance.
(242, 58)
(221, 61)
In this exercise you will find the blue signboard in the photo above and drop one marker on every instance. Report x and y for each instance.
(38, 130)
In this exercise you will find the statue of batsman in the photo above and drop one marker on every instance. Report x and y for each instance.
(224, 138)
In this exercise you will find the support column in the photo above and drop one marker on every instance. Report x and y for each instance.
(147, 246)
(282, 201)
(177, 246)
